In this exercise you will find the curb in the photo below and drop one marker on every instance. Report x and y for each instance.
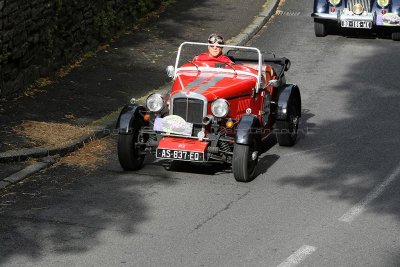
(27, 171)
(251, 30)
(106, 127)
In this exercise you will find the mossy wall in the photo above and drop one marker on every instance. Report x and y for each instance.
(39, 36)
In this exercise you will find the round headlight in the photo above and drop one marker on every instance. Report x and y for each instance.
(357, 9)
(155, 102)
(334, 2)
(220, 108)
(383, 3)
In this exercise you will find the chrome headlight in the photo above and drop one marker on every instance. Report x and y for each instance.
(334, 2)
(155, 102)
(382, 3)
(220, 108)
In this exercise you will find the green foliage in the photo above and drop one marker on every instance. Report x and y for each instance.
(104, 21)
(49, 40)
(58, 6)
(4, 57)
(133, 13)
(142, 7)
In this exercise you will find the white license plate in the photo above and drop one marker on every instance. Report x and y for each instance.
(179, 154)
(356, 24)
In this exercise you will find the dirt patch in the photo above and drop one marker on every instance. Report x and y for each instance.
(49, 133)
(90, 156)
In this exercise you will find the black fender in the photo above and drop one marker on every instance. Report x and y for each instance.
(321, 6)
(129, 115)
(395, 7)
(249, 128)
(285, 94)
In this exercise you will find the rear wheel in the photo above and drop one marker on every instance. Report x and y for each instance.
(287, 134)
(396, 36)
(244, 162)
(130, 155)
(319, 29)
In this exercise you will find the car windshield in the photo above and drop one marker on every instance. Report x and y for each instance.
(188, 50)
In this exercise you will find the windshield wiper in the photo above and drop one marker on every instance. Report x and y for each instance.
(197, 67)
(232, 68)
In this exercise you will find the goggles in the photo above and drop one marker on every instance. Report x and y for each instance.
(217, 39)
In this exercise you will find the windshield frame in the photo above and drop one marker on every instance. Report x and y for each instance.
(260, 60)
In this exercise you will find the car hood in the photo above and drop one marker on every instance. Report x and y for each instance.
(214, 85)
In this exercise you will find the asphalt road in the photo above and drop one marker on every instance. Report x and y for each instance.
(331, 200)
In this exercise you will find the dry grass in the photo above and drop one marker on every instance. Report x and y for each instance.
(58, 134)
(90, 156)
(48, 133)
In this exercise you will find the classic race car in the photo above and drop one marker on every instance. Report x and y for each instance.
(215, 112)
(361, 14)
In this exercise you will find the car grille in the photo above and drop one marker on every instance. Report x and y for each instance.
(189, 109)
(365, 4)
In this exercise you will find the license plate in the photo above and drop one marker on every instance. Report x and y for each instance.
(179, 154)
(356, 24)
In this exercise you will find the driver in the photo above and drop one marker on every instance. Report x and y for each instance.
(214, 51)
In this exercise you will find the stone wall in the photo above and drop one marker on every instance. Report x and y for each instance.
(39, 36)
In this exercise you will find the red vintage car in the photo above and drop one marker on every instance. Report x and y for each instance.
(214, 112)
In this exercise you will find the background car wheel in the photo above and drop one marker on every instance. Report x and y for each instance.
(396, 36)
(319, 29)
(130, 157)
(244, 162)
(287, 134)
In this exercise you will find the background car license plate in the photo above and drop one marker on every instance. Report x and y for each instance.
(179, 155)
(356, 24)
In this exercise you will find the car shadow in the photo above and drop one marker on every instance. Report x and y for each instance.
(210, 168)
(264, 163)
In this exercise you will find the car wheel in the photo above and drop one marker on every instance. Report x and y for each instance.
(130, 156)
(287, 134)
(244, 162)
(319, 29)
(396, 36)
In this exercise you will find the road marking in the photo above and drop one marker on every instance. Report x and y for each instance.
(287, 13)
(297, 257)
(360, 207)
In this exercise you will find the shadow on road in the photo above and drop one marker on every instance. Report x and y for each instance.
(366, 142)
(65, 209)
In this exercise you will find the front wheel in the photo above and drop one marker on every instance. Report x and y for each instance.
(130, 155)
(287, 134)
(244, 162)
(319, 29)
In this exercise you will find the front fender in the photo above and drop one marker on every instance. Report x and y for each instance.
(286, 92)
(395, 6)
(249, 128)
(321, 6)
(129, 115)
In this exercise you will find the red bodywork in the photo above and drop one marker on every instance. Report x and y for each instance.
(177, 143)
(237, 89)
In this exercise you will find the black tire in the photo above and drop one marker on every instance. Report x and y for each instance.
(320, 29)
(287, 134)
(130, 157)
(396, 36)
(243, 164)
